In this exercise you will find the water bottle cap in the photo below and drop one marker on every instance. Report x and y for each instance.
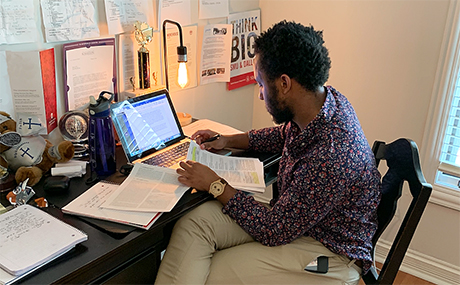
(101, 105)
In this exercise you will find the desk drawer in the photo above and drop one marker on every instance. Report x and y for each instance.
(140, 271)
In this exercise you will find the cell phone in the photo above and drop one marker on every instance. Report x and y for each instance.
(319, 265)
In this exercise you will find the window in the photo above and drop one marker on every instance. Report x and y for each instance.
(441, 152)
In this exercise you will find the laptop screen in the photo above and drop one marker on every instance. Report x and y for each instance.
(146, 123)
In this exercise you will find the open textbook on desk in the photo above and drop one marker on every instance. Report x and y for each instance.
(89, 204)
(30, 238)
(146, 193)
(137, 193)
(150, 190)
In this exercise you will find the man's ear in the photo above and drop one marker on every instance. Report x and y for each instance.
(285, 83)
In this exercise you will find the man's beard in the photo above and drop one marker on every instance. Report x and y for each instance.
(280, 114)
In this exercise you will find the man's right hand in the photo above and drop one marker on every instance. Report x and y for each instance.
(202, 136)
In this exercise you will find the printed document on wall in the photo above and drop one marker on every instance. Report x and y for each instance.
(213, 9)
(215, 53)
(89, 69)
(67, 20)
(176, 10)
(17, 23)
(122, 14)
(6, 99)
(245, 28)
(173, 41)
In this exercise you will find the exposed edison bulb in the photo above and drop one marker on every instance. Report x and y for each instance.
(182, 76)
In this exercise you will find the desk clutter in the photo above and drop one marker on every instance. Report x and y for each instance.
(139, 201)
(150, 190)
(25, 151)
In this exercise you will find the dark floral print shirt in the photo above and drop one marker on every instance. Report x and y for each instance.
(328, 183)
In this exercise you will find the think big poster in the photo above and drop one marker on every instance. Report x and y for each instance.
(245, 28)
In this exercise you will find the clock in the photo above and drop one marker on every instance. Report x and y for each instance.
(74, 128)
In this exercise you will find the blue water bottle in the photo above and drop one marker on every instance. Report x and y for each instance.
(101, 136)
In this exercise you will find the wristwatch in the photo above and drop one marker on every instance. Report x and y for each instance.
(217, 187)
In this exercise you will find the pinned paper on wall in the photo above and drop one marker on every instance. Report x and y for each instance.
(176, 10)
(122, 14)
(6, 100)
(18, 22)
(190, 41)
(67, 20)
(215, 53)
(213, 9)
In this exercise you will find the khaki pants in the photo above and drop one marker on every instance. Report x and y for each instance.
(208, 247)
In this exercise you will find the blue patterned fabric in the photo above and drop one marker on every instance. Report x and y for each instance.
(328, 182)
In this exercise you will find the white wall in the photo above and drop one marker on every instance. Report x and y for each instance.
(384, 59)
(211, 101)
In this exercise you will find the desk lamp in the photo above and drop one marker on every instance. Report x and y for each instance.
(182, 77)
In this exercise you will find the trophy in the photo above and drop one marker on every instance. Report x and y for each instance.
(143, 34)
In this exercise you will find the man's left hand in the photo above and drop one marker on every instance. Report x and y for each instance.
(196, 175)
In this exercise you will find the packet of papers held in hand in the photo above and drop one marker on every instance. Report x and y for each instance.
(242, 173)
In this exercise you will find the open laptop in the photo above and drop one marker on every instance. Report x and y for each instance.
(149, 130)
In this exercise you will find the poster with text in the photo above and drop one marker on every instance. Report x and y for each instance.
(245, 29)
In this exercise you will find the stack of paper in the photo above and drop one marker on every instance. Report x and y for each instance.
(30, 238)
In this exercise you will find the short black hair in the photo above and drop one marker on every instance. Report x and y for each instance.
(295, 50)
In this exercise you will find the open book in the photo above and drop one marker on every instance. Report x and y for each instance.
(89, 205)
(29, 238)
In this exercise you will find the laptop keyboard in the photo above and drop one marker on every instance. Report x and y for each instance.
(170, 156)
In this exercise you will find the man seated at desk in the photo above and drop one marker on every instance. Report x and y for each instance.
(328, 183)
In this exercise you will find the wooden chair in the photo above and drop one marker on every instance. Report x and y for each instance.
(403, 165)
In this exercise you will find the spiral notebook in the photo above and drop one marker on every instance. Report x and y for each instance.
(29, 238)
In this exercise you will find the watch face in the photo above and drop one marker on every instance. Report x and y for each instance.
(74, 126)
(217, 187)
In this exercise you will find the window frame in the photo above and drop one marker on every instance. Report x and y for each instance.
(444, 85)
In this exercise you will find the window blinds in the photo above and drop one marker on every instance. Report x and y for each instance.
(450, 151)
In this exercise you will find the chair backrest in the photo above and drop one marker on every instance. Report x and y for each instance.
(403, 165)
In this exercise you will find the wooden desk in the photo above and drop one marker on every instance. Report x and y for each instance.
(123, 258)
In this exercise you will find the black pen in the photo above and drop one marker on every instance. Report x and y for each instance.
(211, 139)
